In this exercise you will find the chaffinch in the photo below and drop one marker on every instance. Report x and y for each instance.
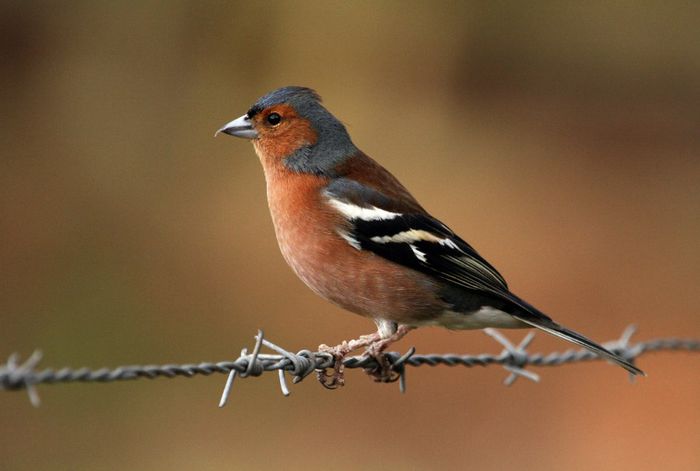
(352, 232)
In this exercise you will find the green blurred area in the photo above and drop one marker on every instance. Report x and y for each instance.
(559, 138)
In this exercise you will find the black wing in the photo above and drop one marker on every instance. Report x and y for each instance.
(413, 239)
(425, 244)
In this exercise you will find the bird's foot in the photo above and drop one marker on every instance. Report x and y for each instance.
(335, 378)
(384, 371)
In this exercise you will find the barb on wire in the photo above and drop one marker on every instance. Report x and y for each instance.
(514, 358)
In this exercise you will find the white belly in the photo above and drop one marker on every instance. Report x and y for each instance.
(484, 317)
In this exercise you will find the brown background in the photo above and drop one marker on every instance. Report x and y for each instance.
(561, 140)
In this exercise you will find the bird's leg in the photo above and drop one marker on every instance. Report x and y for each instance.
(375, 343)
(339, 352)
(384, 373)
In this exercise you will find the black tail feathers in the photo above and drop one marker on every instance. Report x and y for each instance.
(551, 327)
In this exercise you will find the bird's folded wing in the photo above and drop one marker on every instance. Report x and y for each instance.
(405, 234)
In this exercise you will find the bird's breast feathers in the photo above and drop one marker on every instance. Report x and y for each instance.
(314, 239)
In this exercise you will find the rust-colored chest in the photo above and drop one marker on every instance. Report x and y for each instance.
(360, 281)
(306, 230)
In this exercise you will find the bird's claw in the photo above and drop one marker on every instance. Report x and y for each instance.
(332, 381)
(334, 377)
(383, 371)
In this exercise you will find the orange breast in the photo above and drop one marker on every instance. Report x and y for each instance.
(360, 281)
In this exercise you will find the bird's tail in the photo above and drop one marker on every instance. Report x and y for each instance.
(551, 327)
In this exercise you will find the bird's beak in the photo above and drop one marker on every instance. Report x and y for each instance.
(239, 127)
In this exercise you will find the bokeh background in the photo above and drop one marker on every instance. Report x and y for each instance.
(560, 138)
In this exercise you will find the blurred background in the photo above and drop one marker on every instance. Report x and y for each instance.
(559, 138)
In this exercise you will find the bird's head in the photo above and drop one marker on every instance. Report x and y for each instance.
(291, 129)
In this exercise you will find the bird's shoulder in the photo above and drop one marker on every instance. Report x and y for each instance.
(362, 180)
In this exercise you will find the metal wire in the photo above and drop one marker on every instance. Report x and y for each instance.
(514, 358)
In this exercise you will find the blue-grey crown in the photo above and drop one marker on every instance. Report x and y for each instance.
(333, 145)
(294, 96)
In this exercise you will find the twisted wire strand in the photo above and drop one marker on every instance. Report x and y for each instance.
(514, 358)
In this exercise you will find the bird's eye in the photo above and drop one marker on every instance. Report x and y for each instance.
(274, 119)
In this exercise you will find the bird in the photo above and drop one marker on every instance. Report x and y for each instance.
(356, 236)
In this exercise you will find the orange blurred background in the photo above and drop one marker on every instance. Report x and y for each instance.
(560, 139)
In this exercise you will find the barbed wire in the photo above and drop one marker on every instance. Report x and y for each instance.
(514, 358)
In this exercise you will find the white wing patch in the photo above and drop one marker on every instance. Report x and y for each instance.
(412, 235)
(352, 211)
(415, 235)
(419, 255)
